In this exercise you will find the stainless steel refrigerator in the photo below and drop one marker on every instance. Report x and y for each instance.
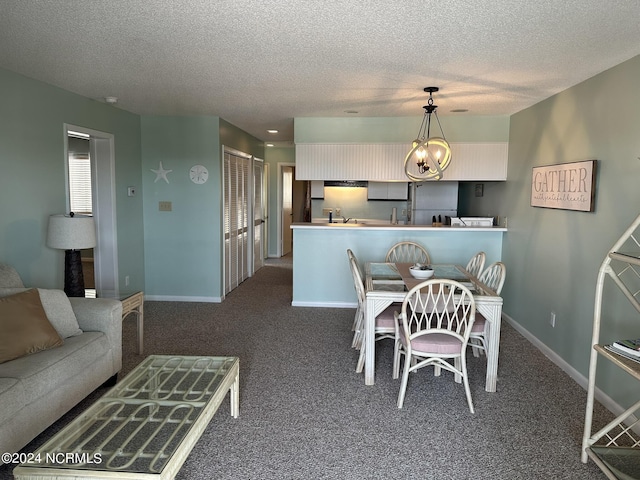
(431, 200)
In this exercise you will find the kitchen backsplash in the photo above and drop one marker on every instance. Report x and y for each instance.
(353, 203)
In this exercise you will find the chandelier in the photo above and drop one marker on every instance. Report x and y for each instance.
(430, 156)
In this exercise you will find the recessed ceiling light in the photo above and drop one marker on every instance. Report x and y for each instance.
(459, 110)
(272, 131)
(111, 100)
(269, 144)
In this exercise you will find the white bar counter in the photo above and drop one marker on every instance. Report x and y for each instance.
(321, 275)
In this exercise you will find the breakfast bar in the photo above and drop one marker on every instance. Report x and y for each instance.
(321, 275)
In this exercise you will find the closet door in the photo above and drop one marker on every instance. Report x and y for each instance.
(259, 213)
(237, 200)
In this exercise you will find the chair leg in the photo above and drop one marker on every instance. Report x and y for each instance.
(396, 359)
(457, 366)
(474, 348)
(465, 380)
(405, 379)
(357, 327)
(360, 364)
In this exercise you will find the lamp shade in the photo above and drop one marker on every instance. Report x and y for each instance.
(71, 233)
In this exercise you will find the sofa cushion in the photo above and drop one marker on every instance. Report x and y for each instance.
(57, 307)
(12, 398)
(24, 326)
(39, 374)
(9, 277)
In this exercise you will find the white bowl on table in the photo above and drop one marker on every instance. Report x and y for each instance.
(421, 273)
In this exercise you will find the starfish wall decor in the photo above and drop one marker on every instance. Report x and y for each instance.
(161, 173)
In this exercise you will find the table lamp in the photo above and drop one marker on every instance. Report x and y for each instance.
(72, 233)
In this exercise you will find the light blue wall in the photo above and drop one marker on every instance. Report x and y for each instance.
(32, 182)
(274, 156)
(553, 256)
(183, 246)
(321, 274)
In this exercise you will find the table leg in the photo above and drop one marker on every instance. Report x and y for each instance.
(140, 321)
(234, 396)
(369, 342)
(493, 313)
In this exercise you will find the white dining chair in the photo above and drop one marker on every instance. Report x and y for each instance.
(434, 325)
(408, 252)
(493, 277)
(385, 320)
(476, 264)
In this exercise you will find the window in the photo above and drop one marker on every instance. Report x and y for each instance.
(80, 195)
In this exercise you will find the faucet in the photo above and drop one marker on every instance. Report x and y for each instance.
(345, 220)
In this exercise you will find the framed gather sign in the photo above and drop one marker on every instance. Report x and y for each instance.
(567, 186)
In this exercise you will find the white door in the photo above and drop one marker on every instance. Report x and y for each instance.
(237, 205)
(287, 209)
(259, 214)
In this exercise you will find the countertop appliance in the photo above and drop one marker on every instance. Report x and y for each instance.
(433, 199)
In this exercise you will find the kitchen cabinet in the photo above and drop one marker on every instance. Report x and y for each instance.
(388, 191)
(317, 189)
(384, 162)
(616, 447)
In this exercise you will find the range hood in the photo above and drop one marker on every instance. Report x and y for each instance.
(346, 183)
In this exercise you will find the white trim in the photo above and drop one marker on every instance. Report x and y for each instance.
(176, 298)
(281, 165)
(102, 153)
(580, 379)
(295, 303)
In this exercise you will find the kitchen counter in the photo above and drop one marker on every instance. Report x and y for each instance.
(389, 226)
(321, 274)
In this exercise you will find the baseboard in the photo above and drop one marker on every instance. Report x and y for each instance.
(580, 379)
(295, 303)
(174, 298)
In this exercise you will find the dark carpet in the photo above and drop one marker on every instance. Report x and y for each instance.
(306, 414)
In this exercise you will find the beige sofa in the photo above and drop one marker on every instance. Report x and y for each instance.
(38, 388)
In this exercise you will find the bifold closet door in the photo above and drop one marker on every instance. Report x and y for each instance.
(237, 200)
(258, 215)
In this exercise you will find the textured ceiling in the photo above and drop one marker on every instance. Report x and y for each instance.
(260, 63)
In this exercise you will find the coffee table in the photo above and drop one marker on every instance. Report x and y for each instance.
(145, 426)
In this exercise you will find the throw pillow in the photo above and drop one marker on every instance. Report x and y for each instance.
(57, 307)
(24, 327)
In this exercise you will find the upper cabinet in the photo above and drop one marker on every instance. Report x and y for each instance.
(385, 162)
(388, 191)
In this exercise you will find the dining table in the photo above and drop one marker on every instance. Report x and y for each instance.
(387, 283)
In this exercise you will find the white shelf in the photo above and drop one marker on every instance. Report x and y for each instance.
(615, 448)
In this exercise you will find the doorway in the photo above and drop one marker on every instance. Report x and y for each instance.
(100, 199)
(291, 206)
(244, 216)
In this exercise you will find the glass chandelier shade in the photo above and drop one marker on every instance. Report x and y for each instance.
(429, 156)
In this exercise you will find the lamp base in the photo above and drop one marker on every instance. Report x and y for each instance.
(73, 277)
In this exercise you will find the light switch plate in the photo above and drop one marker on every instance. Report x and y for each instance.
(164, 206)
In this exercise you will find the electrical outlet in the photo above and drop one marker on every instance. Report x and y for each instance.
(338, 211)
(404, 212)
(164, 206)
(126, 281)
(552, 319)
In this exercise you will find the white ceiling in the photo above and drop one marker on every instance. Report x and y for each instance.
(260, 63)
